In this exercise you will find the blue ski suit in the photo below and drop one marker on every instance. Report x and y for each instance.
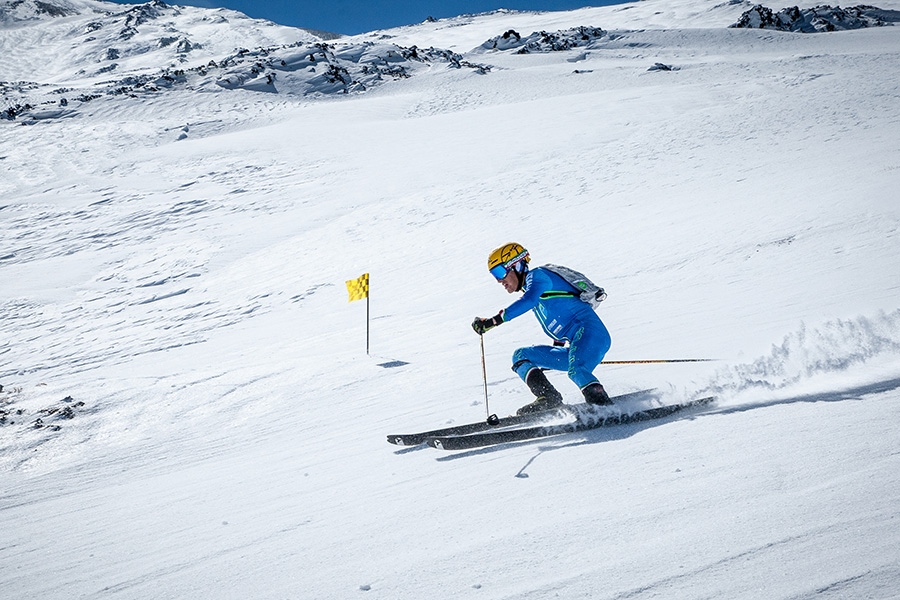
(565, 318)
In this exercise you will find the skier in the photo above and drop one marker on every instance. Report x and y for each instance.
(563, 316)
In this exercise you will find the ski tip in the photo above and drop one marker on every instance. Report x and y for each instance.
(401, 440)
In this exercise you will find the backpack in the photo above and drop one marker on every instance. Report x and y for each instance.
(589, 291)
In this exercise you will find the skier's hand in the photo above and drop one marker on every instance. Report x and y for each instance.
(481, 325)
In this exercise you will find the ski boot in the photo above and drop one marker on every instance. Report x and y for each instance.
(547, 395)
(595, 394)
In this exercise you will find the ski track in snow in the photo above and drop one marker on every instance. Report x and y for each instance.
(187, 407)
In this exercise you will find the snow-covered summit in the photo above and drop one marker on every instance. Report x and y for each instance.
(67, 52)
(71, 41)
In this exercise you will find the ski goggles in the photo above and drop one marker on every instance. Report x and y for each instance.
(499, 272)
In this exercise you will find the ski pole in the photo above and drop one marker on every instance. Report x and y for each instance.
(491, 419)
(656, 361)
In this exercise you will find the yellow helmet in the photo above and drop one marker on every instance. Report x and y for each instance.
(507, 256)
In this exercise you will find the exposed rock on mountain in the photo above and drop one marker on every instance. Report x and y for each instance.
(543, 41)
(817, 19)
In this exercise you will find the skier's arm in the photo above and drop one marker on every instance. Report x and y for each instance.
(536, 283)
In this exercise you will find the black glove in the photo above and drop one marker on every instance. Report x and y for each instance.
(481, 325)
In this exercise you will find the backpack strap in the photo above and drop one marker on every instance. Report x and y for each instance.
(558, 294)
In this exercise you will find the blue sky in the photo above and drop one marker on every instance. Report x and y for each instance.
(358, 16)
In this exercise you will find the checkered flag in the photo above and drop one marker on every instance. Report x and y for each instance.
(358, 288)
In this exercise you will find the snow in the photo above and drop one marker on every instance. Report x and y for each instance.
(174, 311)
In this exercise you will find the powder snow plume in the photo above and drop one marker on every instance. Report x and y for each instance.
(815, 361)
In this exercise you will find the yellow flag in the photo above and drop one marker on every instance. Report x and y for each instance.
(358, 288)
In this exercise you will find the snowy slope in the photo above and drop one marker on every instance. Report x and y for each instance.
(188, 409)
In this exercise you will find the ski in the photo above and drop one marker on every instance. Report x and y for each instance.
(588, 418)
(414, 439)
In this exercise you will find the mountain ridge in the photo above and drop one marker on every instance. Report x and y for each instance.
(99, 49)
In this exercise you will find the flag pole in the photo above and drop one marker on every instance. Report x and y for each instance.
(357, 289)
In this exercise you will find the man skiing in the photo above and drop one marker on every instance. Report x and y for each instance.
(563, 315)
